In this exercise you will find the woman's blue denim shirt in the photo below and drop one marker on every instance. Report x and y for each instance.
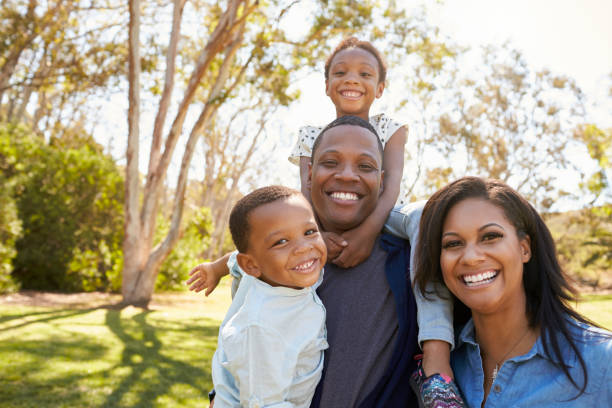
(533, 379)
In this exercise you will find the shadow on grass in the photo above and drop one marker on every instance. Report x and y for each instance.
(151, 373)
(39, 317)
(160, 361)
(33, 373)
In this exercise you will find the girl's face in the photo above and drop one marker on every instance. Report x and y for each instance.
(482, 257)
(353, 82)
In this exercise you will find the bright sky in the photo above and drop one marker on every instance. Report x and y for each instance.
(572, 37)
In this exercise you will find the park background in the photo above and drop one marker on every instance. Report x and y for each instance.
(128, 129)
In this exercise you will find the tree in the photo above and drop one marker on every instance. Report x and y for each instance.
(247, 54)
(504, 120)
(55, 59)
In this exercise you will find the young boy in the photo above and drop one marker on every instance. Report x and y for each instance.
(271, 342)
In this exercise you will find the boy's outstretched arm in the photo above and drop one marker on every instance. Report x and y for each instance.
(361, 239)
(207, 275)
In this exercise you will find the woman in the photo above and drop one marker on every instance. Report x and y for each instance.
(523, 345)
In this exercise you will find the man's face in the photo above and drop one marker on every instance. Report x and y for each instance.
(345, 177)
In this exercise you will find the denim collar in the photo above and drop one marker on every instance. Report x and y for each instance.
(467, 336)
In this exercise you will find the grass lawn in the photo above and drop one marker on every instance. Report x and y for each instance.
(101, 357)
(597, 308)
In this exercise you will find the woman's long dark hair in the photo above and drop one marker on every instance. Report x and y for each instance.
(548, 291)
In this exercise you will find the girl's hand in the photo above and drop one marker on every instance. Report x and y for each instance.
(204, 276)
(359, 248)
(334, 243)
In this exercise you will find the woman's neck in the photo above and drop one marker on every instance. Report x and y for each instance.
(502, 335)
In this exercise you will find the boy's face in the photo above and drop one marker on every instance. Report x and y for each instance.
(353, 82)
(345, 177)
(285, 246)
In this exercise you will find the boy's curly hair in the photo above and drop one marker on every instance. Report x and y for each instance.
(354, 42)
(239, 218)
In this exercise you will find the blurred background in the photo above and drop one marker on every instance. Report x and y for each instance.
(129, 129)
(519, 91)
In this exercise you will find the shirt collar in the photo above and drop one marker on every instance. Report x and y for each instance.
(467, 336)
(285, 291)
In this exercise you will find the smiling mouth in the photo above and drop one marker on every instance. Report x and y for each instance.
(479, 279)
(351, 94)
(307, 266)
(344, 196)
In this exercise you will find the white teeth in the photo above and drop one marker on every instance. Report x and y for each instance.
(344, 196)
(351, 94)
(479, 279)
(305, 265)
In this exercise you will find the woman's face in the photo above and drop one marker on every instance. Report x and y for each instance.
(482, 257)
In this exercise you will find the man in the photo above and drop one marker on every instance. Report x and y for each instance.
(371, 312)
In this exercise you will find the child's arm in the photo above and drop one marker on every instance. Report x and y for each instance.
(435, 314)
(207, 275)
(361, 239)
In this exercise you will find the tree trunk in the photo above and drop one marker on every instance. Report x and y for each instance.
(141, 261)
(134, 246)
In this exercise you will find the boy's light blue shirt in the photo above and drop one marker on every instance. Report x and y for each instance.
(434, 315)
(534, 380)
(270, 346)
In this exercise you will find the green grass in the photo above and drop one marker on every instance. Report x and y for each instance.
(598, 308)
(102, 357)
(71, 357)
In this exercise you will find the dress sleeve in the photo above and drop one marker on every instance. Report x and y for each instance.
(435, 314)
(303, 145)
(392, 127)
(262, 365)
(385, 127)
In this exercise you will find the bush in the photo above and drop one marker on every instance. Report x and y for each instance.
(69, 198)
(186, 254)
(10, 230)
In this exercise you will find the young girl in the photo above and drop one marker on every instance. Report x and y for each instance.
(354, 77)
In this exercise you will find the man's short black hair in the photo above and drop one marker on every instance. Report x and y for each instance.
(239, 217)
(346, 120)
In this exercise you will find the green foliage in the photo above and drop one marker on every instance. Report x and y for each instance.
(69, 200)
(10, 230)
(186, 254)
(584, 245)
(599, 146)
(10, 224)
